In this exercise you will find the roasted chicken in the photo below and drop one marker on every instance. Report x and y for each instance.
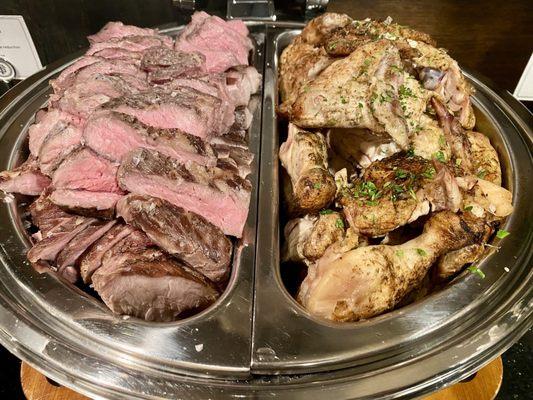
(383, 110)
(369, 280)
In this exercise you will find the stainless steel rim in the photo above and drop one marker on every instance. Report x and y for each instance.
(283, 352)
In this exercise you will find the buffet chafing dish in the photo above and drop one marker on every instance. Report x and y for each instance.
(256, 341)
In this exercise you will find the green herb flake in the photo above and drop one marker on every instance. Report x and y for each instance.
(404, 92)
(421, 252)
(458, 162)
(401, 174)
(326, 212)
(339, 223)
(412, 193)
(343, 100)
(360, 105)
(475, 270)
(439, 155)
(429, 173)
(468, 208)
(411, 152)
(317, 185)
(399, 253)
(502, 233)
(442, 141)
(481, 173)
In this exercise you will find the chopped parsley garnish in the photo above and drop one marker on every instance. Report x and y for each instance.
(421, 252)
(360, 105)
(343, 100)
(429, 173)
(396, 68)
(399, 253)
(326, 212)
(339, 223)
(332, 45)
(404, 92)
(400, 173)
(475, 270)
(458, 162)
(411, 152)
(386, 97)
(317, 185)
(439, 155)
(442, 141)
(412, 193)
(468, 208)
(481, 173)
(502, 233)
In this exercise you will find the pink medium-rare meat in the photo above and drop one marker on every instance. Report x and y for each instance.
(136, 43)
(57, 145)
(164, 64)
(83, 97)
(142, 281)
(213, 85)
(25, 179)
(183, 108)
(116, 29)
(85, 170)
(67, 258)
(239, 26)
(92, 259)
(220, 196)
(113, 135)
(222, 45)
(49, 122)
(87, 67)
(192, 239)
(84, 202)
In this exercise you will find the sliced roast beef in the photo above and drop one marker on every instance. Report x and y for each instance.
(92, 259)
(164, 64)
(213, 85)
(222, 45)
(66, 260)
(87, 67)
(113, 135)
(117, 30)
(50, 246)
(48, 123)
(57, 145)
(84, 96)
(242, 82)
(87, 203)
(25, 179)
(148, 284)
(120, 54)
(220, 196)
(184, 108)
(192, 238)
(85, 170)
(139, 43)
(47, 216)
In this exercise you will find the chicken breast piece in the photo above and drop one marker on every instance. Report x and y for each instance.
(304, 157)
(370, 280)
(318, 28)
(396, 191)
(342, 41)
(368, 90)
(299, 64)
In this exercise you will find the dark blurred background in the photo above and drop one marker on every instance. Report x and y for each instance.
(494, 38)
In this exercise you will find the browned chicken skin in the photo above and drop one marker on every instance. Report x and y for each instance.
(369, 280)
(304, 157)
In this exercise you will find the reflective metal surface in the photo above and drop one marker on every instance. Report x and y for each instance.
(256, 341)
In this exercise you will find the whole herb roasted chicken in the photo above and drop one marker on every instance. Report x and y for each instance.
(417, 192)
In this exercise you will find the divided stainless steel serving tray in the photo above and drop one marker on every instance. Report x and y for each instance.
(256, 340)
